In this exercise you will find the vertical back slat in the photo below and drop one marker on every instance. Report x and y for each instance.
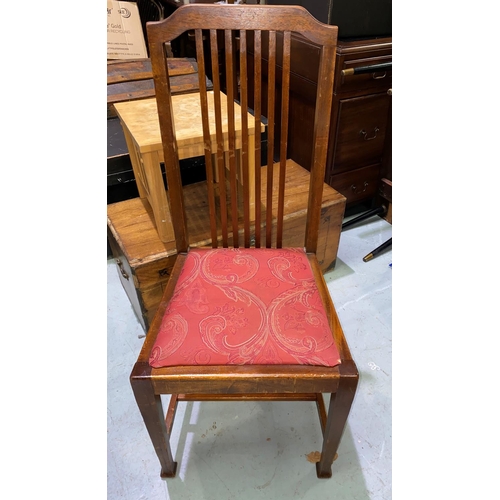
(244, 137)
(258, 114)
(219, 135)
(271, 76)
(230, 83)
(285, 91)
(206, 135)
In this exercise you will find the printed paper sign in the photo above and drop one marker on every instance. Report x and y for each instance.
(125, 35)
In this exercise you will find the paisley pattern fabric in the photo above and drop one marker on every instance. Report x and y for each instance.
(245, 306)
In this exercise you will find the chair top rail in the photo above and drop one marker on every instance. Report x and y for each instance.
(244, 17)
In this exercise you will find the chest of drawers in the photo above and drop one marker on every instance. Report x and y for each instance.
(360, 112)
(360, 119)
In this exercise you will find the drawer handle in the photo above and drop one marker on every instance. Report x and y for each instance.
(163, 272)
(353, 188)
(379, 77)
(364, 134)
(120, 267)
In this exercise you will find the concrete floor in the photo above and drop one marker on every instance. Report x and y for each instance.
(259, 450)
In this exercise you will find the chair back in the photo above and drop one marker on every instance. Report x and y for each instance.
(236, 46)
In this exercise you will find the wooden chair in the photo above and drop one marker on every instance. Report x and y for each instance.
(245, 319)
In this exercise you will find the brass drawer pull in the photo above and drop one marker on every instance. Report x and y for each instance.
(364, 134)
(380, 77)
(120, 267)
(353, 188)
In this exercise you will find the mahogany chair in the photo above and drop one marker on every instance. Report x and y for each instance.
(244, 318)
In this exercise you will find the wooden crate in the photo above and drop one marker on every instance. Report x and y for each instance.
(145, 263)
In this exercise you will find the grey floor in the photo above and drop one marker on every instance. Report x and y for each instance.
(257, 450)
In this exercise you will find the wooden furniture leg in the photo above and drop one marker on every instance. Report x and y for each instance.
(137, 167)
(158, 196)
(151, 410)
(338, 411)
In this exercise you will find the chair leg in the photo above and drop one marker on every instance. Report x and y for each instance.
(338, 411)
(151, 409)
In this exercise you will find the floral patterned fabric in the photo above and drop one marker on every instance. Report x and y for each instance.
(245, 306)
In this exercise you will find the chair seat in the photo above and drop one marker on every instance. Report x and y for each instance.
(245, 306)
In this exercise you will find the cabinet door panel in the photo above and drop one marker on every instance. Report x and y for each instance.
(361, 130)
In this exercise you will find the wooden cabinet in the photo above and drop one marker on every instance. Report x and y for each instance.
(360, 112)
(360, 120)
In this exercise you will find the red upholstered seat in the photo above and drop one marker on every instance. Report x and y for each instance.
(245, 306)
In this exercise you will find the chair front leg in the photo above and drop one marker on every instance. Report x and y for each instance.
(338, 411)
(152, 413)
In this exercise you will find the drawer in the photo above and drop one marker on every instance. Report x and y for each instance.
(360, 133)
(357, 185)
(379, 80)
